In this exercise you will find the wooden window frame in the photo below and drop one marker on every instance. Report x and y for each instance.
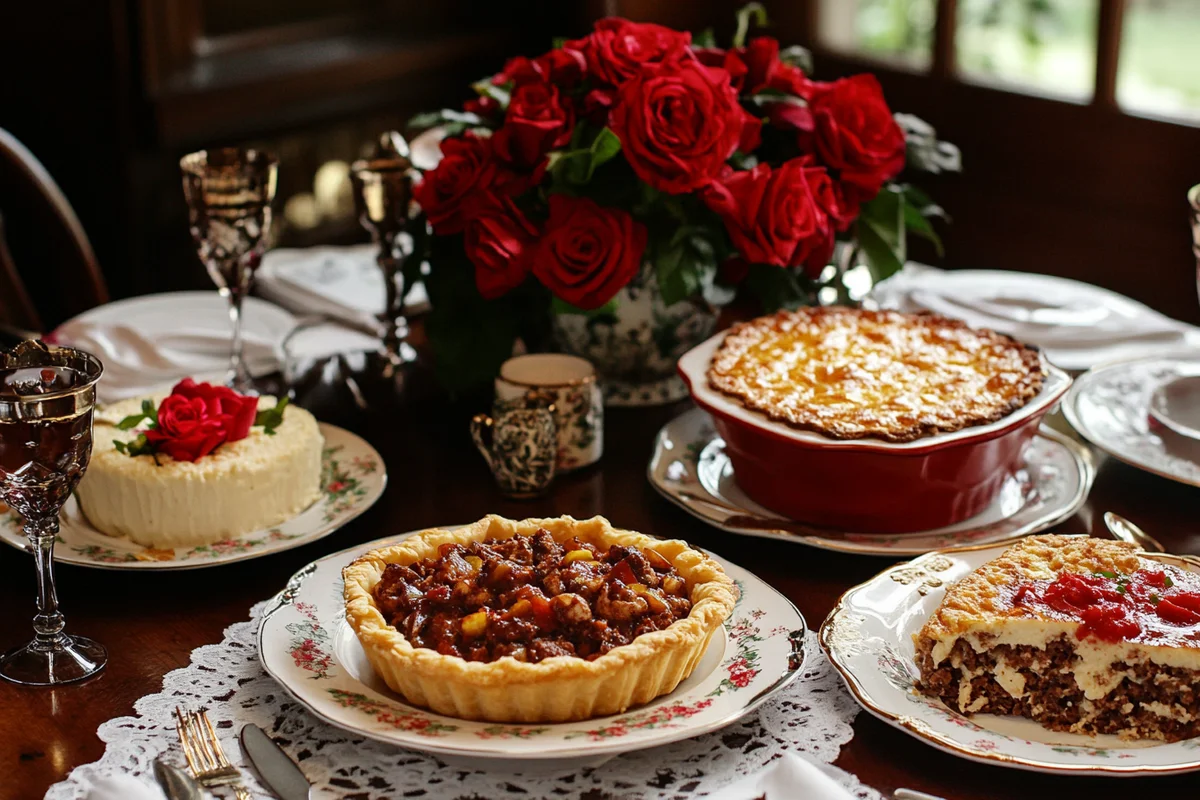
(1099, 192)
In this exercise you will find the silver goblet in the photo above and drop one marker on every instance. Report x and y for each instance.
(47, 395)
(229, 192)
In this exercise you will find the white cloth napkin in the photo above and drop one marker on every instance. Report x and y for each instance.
(342, 283)
(792, 777)
(119, 786)
(1077, 324)
(135, 363)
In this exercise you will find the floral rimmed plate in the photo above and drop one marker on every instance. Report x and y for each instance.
(868, 637)
(306, 644)
(352, 479)
(690, 468)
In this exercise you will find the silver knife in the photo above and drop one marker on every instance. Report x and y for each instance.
(275, 767)
(176, 783)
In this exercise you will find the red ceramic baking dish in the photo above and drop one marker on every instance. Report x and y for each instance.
(868, 485)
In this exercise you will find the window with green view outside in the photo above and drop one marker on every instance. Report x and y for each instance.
(1045, 47)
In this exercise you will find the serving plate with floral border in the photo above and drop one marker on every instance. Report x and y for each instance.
(306, 644)
(868, 638)
(690, 468)
(352, 479)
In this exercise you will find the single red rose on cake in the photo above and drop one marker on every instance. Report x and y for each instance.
(772, 215)
(855, 135)
(587, 253)
(221, 401)
(198, 417)
(617, 48)
(678, 123)
(537, 121)
(498, 241)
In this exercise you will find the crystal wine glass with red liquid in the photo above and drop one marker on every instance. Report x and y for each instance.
(47, 395)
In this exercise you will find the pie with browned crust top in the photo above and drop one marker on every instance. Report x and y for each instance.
(851, 373)
(541, 620)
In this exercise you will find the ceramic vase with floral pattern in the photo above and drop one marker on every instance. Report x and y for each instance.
(635, 346)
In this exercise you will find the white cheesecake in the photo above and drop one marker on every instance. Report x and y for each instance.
(243, 486)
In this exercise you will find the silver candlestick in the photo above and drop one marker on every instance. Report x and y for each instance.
(383, 198)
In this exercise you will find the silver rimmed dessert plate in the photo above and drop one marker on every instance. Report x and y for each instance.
(1111, 407)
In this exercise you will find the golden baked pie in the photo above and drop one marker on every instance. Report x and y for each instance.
(850, 373)
(1082, 635)
(542, 620)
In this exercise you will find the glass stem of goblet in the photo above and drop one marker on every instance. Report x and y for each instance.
(48, 623)
(393, 305)
(239, 376)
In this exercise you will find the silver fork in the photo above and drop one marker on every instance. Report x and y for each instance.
(205, 758)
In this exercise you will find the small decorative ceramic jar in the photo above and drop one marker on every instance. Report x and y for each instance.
(569, 382)
(521, 447)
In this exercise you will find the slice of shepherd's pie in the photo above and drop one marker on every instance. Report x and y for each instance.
(1079, 634)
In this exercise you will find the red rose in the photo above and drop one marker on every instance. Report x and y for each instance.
(587, 253)
(728, 60)
(828, 196)
(498, 239)
(772, 216)
(236, 411)
(466, 167)
(185, 432)
(856, 136)
(561, 66)
(536, 122)
(764, 70)
(198, 417)
(617, 48)
(790, 115)
(678, 123)
(485, 106)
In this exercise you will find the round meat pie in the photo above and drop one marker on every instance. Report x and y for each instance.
(542, 620)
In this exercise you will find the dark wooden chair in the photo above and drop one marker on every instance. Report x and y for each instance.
(48, 270)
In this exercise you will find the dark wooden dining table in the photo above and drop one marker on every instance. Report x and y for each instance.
(151, 621)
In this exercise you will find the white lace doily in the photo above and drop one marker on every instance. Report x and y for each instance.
(812, 716)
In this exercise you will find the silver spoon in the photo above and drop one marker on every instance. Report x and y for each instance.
(1126, 531)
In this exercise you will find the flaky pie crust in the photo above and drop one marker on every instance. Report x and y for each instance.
(851, 373)
(559, 689)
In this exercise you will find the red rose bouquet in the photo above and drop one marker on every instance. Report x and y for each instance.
(639, 152)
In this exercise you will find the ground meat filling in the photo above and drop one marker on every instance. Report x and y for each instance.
(531, 598)
(1151, 702)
